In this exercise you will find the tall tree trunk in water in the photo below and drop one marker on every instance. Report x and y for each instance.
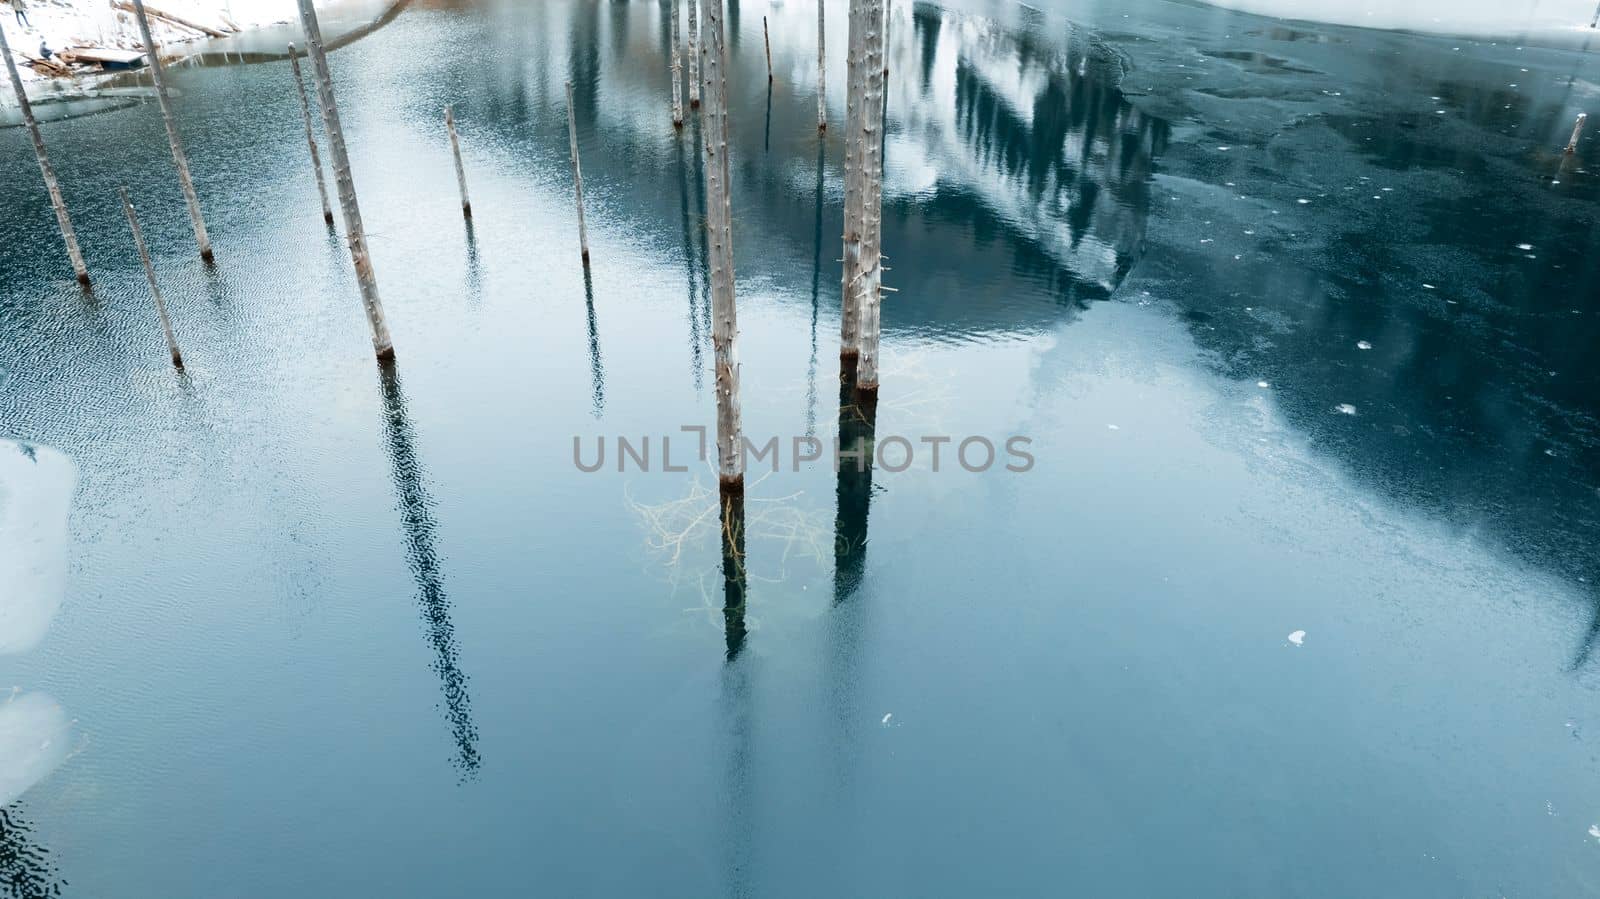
(677, 71)
(355, 233)
(461, 170)
(577, 177)
(56, 202)
(178, 158)
(150, 274)
(766, 38)
(719, 230)
(694, 54)
(822, 66)
(869, 281)
(854, 188)
(311, 137)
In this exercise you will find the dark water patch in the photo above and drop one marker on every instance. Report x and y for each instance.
(27, 869)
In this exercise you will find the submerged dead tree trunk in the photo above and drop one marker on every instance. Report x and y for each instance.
(150, 273)
(461, 170)
(694, 54)
(577, 176)
(766, 37)
(63, 220)
(355, 234)
(822, 66)
(869, 278)
(854, 185)
(719, 230)
(178, 158)
(1577, 132)
(677, 71)
(311, 137)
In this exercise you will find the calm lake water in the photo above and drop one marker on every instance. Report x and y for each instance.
(1301, 322)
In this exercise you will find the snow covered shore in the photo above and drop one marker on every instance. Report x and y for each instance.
(65, 24)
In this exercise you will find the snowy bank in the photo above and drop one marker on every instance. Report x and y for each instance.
(63, 25)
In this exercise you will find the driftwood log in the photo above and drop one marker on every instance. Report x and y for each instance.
(152, 12)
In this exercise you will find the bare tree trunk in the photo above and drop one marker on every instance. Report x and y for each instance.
(150, 273)
(677, 71)
(694, 54)
(178, 157)
(577, 176)
(869, 280)
(1577, 132)
(355, 234)
(719, 228)
(311, 137)
(854, 187)
(822, 67)
(461, 171)
(766, 36)
(56, 202)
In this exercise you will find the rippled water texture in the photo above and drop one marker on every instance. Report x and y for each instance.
(1298, 598)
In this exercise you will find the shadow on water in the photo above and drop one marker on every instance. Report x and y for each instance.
(696, 358)
(597, 373)
(26, 869)
(857, 435)
(422, 555)
(474, 275)
(1440, 279)
(735, 582)
(816, 306)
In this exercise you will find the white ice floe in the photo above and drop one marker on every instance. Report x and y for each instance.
(33, 741)
(1363, 345)
(1594, 831)
(1345, 409)
(35, 493)
(886, 719)
(1298, 638)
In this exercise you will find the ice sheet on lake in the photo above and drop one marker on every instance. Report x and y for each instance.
(33, 741)
(36, 485)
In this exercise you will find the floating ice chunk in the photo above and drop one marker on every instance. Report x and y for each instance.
(33, 741)
(1427, 286)
(1594, 831)
(1345, 409)
(886, 719)
(1298, 638)
(35, 492)
(1363, 345)
(1302, 201)
(1114, 427)
(1224, 149)
(1263, 384)
(1524, 246)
